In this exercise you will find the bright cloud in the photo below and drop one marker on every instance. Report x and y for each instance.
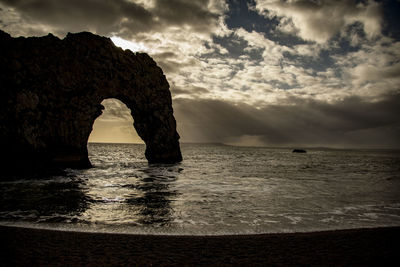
(320, 21)
(125, 44)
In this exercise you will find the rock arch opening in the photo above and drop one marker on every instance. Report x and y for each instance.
(114, 125)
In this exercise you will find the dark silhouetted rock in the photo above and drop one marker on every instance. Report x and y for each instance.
(299, 151)
(51, 94)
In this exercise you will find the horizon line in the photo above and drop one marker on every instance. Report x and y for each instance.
(267, 146)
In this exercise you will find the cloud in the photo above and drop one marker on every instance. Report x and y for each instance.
(319, 21)
(115, 111)
(314, 73)
(367, 73)
(102, 17)
(123, 18)
(190, 91)
(194, 14)
(328, 72)
(351, 122)
(172, 32)
(373, 69)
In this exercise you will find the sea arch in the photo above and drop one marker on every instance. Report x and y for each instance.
(52, 92)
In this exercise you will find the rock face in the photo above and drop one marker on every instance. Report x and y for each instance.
(51, 92)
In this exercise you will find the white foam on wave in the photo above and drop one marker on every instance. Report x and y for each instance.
(164, 232)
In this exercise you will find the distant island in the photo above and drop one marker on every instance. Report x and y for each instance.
(297, 150)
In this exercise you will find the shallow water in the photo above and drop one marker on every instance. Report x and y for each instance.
(217, 189)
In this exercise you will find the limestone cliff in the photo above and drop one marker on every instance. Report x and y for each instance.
(50, 95)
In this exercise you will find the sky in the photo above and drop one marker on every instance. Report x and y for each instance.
(252, 73)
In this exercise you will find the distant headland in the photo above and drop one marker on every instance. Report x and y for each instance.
(51, 94)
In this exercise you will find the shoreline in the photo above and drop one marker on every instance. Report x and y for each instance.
(365, 247)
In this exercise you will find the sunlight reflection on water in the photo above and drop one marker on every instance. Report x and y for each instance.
(216, 189)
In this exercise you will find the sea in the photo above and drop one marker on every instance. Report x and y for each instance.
(216, 190)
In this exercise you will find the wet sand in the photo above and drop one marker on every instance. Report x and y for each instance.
(358, 247)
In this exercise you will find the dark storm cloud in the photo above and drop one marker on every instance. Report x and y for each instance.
(121, 17)
(183, 12)
(350, 122)
(103, 17)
